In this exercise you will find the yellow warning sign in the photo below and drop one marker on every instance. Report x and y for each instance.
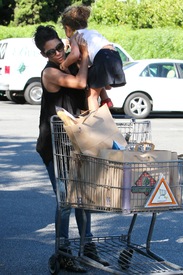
(161, 195)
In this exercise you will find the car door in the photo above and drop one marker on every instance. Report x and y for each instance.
(164, 85)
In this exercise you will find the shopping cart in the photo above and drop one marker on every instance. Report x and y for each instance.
(135, 131)
(95, 183)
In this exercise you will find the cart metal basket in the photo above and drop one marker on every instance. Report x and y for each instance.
(100, 184)
(135, 131)
(128, 187)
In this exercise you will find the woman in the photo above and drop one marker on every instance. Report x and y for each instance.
(67, 91)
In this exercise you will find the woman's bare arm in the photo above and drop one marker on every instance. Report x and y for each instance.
(54, 79)
(73, 56)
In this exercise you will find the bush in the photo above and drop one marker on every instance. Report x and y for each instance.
(146, 14)
(107, 12)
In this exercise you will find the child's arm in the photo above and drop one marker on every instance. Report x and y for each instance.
(73, 56)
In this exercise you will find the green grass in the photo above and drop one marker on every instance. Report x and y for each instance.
(143, 43)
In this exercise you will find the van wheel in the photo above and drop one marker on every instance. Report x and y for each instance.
(33, 93)
(12, 96)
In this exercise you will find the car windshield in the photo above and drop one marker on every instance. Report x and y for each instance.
(124, 56)
(128, 65)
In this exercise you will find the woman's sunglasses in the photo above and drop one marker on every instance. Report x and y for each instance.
(52, 52)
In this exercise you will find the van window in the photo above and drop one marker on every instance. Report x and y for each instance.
(3, 47)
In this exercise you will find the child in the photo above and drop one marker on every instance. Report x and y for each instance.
(106, 68)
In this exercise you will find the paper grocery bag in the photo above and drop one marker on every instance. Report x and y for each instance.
(155, 162)
(94, 132)
(136, 156)
(94, 183)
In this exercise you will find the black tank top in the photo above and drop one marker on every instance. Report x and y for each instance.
(73, 100)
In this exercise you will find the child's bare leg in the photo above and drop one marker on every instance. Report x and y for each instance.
(93, 95)
(103, 94)
(108, 87)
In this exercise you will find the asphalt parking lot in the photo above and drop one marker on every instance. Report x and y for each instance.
(27, 202)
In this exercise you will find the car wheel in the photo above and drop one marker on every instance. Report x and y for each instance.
(137, 105)
(33, 93)
(11, 95)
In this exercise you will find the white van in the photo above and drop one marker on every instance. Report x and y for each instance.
(20, 69)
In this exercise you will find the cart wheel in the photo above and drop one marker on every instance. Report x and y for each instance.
(53, 265)
(125, 258)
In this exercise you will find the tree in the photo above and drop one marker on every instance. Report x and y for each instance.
(6, 11)
(22, 12)
(51, 9)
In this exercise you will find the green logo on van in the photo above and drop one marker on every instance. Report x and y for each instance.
(21, 68)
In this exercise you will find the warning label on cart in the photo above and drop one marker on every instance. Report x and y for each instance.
(144, 184)
(161, 195)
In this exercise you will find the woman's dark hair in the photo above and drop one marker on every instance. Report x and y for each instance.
(44, 34)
